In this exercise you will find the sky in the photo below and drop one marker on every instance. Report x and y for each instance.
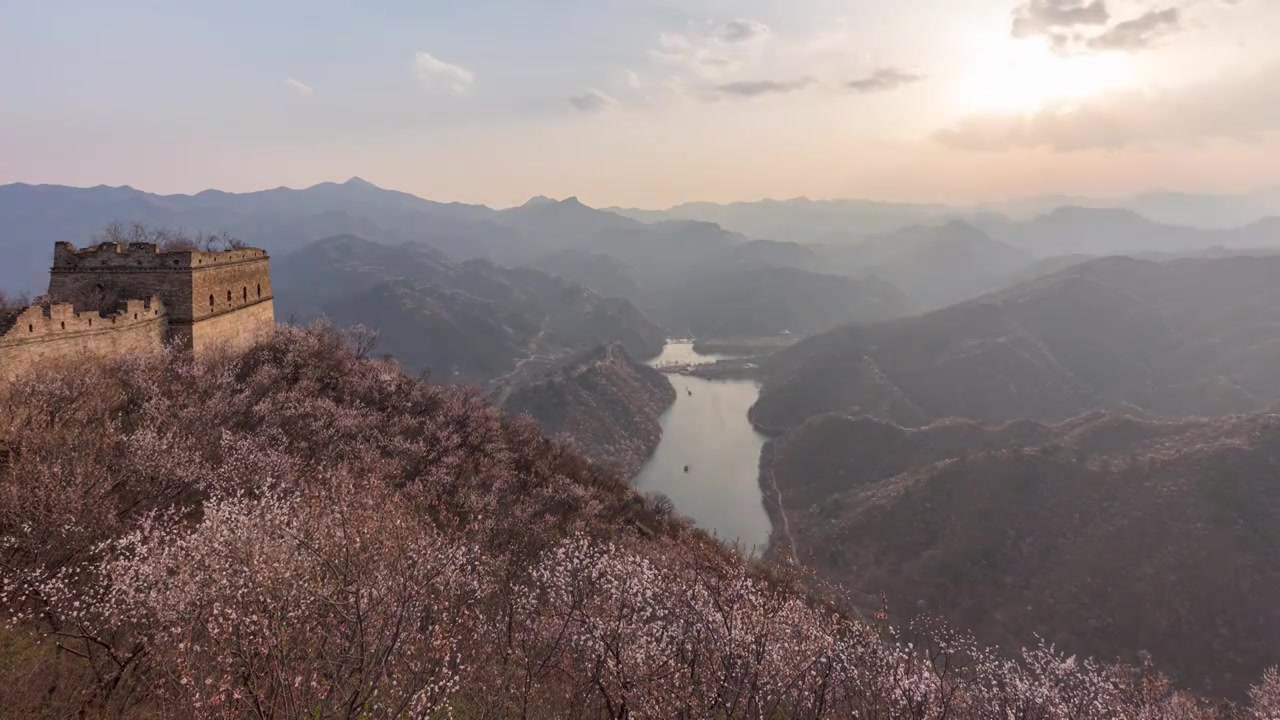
(645, 103)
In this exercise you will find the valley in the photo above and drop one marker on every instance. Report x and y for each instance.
(640, 359)
(707, 462)
(952, 420)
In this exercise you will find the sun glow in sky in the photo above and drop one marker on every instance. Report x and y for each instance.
(1024, 75)
(644, 102)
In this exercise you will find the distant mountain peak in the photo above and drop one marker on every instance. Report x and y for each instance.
(544, 201)
(356, 181)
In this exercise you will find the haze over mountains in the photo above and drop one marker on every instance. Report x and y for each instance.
(976, 407)
(935, 255)
(959, 462)
(824, 221)
(466, 322)
(1181, 337)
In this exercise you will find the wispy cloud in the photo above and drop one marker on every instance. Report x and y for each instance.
(1081, 26)
(746, 59)
(1140, 32)
(883, 80)
(434, 72)
(1047, 17)
(737, 31)
(297, 87)
(756, 88)
(592, 101)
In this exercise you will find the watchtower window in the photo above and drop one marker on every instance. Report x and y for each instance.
(64, 325)
(90, 322)
(31, 328)
(245, 291)
(228, 296)
(210, 299)
(135, 316)
(259, 289)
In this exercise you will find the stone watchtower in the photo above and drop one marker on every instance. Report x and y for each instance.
(212, 299)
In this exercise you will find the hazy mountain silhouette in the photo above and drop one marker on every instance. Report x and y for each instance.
(598, 272)
(932, 260)
(470, 321)
(283, 220)
(745, 301)
(279, 220)
(935, 265)
(828, 221)
(1180, 337)
(800, 219)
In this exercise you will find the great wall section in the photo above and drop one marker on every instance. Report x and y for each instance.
(122, 298)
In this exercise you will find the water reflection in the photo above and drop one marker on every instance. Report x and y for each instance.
(707, 430)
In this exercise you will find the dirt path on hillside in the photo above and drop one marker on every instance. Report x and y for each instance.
(785, 524)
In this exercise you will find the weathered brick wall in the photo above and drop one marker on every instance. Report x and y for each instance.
(233, 306)
(235, 330)
(43, 336)
(229, 286)
(197, 288)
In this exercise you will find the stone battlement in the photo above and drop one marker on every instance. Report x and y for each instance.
(40, 322)
(47, 334)
(195, 300)
(135, 257)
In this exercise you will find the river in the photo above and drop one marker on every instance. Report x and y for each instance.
(708, 431)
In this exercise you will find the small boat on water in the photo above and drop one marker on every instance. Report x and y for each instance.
(686, 468)
(689, 391)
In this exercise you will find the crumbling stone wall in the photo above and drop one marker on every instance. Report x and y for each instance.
(46, 335)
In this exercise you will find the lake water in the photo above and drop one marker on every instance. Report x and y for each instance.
(709, 432)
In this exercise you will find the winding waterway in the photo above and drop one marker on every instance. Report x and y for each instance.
(707, 430)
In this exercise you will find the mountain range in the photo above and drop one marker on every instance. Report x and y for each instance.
(934, 254)
(466, 322)
(825, 221)
(1178, 337)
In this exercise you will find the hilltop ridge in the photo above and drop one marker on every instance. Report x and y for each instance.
(261, 501)
(1106, 534)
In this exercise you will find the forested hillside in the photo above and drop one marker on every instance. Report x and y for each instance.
(304, 531)
(1106, 535)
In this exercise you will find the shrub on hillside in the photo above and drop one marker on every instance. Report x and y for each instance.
(304, 531)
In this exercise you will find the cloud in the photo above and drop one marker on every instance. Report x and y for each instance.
(1055, 17)
(592, 101)
(883, 80)
(1140, 32)
(756, 88)
(1245, 108)
(703, 57)
(433, 71)
(298, 87)
(745, 59)
(737, 31)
